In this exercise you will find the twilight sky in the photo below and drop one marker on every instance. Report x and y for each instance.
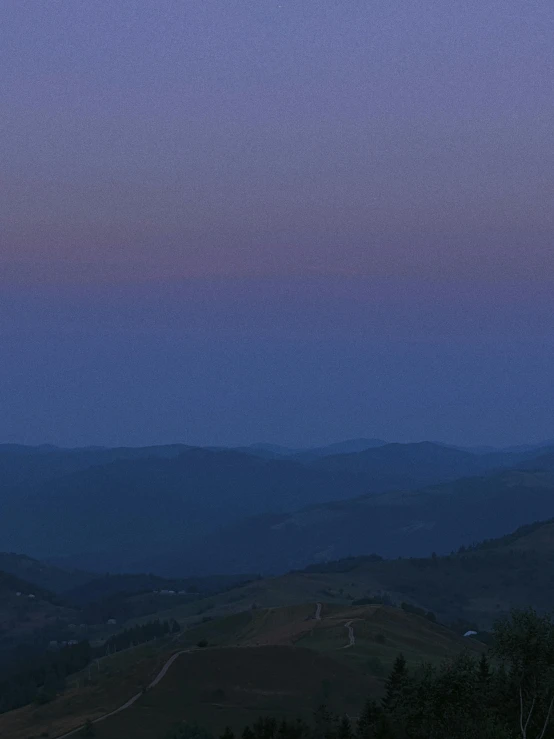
(227, 221)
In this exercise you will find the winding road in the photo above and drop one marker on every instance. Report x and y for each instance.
(351, 637)
(159, 677)
(163, 672)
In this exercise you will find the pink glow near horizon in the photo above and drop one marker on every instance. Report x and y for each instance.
(227, 221)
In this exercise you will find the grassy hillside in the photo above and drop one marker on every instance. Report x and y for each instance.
(380, 632)
(280, 661)
(284, 662)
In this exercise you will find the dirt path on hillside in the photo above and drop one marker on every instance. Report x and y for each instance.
(159, 677)
(351, 636)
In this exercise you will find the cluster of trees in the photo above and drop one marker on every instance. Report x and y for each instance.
(508, 694)
(140, 634)
(40, 676)
(43, 676)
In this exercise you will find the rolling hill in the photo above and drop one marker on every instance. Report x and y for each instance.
(235, 683)
(281, 661)
(438, 518)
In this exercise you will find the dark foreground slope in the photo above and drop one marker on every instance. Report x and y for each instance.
(231, 686)
(280, 661)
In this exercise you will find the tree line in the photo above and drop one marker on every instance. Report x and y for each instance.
(43, 675)
(140, 634)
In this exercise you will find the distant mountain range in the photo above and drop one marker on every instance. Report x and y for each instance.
(24, 466)
(182, 511)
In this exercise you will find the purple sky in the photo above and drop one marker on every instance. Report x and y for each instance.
(224, 221)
